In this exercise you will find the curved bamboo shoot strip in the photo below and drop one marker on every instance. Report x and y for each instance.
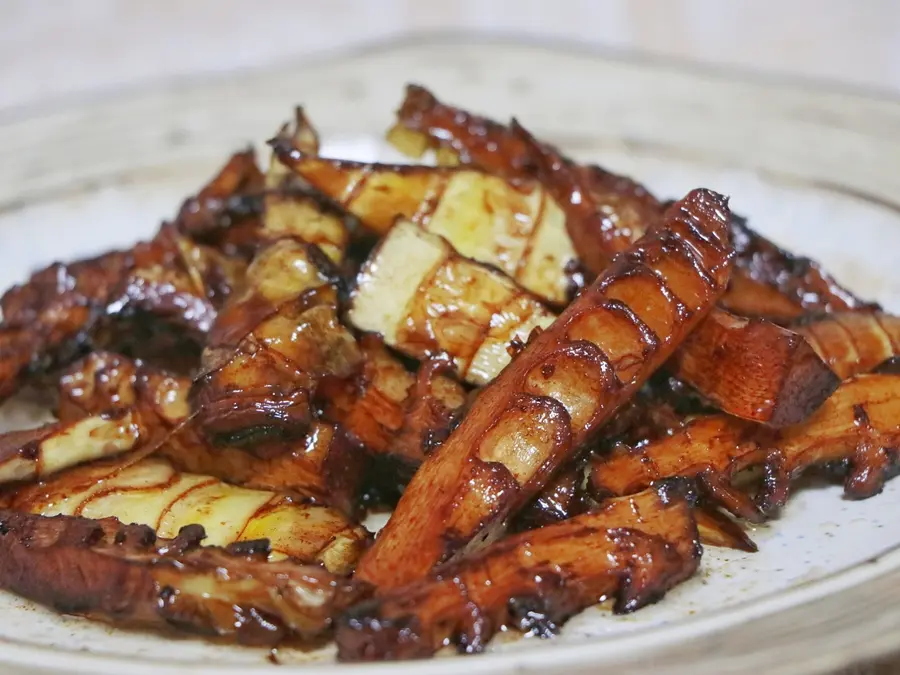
(631, 550)
(151, 492)
(858, 425)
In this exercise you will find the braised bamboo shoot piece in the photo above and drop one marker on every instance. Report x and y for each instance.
(389, 410)
(46, 450)
(104, 389)
(773, 283)
(852, 343)
(269, 348)
(226, 212)
(631, 550)
(859, 426)
(564, 385)
(426, 300)
(754, 369)
(46, 321)
(151, 492)
(515, 226)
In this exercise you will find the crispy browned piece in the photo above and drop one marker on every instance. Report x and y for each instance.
(557, 392)
(457, 135)
(160, 294)
(293, 208)
(397, 416)
(859, 426)
(389, 410)
(605, 213)
(633, 550)
(125, 575)
(241, 210)
(853, 342)
(612, 211)
(24, 353)
(565, 497)
(152, 492)
(324, 466)
(712, 448)
(754, 369)
(84, 284)
(46, 320)
(772, 283)
(302, 132)
(105, 381)
(269, 348)
(227, 212)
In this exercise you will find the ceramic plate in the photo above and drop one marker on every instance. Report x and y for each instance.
(816, 170)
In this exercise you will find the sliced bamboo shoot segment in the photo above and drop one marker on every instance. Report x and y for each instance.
(515, 226)
(427, 300)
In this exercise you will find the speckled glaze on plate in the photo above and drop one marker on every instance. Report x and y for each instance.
(815, 169)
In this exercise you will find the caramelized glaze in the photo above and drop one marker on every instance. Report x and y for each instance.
(859, 426)
(562, 387)
(126, 575)
(631, 551)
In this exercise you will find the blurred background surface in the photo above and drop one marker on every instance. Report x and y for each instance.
(76, 48)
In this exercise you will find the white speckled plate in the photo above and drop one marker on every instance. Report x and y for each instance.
(815, 169)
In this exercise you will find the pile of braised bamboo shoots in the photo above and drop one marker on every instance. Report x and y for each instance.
(559, 384)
